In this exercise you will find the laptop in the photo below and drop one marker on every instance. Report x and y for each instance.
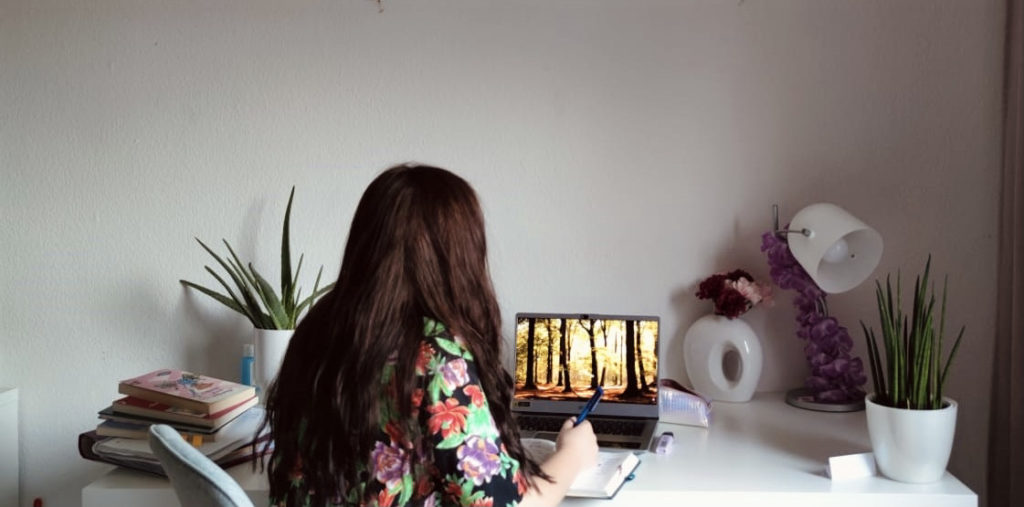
(562, 358)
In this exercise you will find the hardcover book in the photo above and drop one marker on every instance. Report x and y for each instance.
(235, 447)
(89, 440)
(132, 409)
(132, 426)
(191, 391)
(140, 431)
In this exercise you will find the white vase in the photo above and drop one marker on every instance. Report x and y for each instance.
(707, 345)
(911, 445)
(270, 345)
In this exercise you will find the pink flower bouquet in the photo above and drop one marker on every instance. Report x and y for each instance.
(734, 293)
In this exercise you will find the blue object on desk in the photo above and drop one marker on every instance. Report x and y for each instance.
(589, 406)
(248, 361)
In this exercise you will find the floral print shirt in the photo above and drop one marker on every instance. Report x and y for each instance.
(451, 452)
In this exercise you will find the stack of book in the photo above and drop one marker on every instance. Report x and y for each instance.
(197, 406)
(217, 416)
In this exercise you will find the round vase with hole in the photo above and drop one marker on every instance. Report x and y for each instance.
(723, 358)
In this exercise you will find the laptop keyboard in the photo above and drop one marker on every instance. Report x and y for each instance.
(601, 426)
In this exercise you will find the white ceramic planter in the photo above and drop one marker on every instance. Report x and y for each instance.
(911, 445)
(270, 345)
(705, 347)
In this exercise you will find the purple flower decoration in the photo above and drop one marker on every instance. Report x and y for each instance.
(455, 373)
(478, 459)
(390, 464)
(836, 376)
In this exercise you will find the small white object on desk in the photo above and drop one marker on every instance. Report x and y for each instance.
(663, 445)
(851, 466)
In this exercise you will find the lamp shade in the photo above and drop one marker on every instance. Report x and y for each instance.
(839, 251)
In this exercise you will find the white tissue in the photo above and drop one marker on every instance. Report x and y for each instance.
(851, 466)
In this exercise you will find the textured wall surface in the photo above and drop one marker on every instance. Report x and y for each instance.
(623, 150)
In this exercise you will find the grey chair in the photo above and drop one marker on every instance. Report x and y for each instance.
(197, 480)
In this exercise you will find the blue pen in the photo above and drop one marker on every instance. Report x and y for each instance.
(589, 407)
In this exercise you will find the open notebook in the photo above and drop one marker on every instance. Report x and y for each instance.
(602, 481)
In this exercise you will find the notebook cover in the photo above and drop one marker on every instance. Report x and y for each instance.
(187, 390)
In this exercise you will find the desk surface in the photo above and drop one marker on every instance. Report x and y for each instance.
(763, 452)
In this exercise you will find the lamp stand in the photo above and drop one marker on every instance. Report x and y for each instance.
(803, 397)
(836, 376)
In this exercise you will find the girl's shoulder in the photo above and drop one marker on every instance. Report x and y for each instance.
(440, 341)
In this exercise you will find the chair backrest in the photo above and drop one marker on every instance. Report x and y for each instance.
(196, 479)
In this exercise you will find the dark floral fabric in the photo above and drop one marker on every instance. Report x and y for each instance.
(451, 452)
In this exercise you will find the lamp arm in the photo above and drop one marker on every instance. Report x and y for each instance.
(781, 233)
(822, 306)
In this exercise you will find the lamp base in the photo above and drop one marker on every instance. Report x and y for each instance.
(804, 398)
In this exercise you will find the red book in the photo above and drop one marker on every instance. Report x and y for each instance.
(190, 391)
(164, 412)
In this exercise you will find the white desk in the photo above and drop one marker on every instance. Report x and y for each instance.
(763, 453)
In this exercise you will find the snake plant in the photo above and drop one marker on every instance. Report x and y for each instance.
(253, 296)
(914, 371)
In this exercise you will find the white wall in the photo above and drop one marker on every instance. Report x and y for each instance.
(623, 150)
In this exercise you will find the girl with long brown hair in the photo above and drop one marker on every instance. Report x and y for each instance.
(392, 391)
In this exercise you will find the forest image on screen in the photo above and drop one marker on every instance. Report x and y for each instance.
(568, 358)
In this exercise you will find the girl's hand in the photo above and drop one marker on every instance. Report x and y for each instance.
(578, 441)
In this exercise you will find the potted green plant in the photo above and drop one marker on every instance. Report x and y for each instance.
(910, 422)
(273, 314)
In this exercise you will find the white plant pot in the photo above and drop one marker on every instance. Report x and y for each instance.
(270, 345)
(911, 445)
(705, 347)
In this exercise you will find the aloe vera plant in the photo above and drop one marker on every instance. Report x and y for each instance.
(914, 371)
(255, 297)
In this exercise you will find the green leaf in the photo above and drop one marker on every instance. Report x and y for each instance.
(452, 441)
(874, 362)
(286, 252)
(450, 346)
(432, 327)
(251, 309)
(949, 360)
(938, 375)
(241, 307)
(479, 422)
(248, 285)
(255, 298)
(407, 489)
(436, 386)
(314, 296)
(226, 301)
(909, 376)
(292, 301)
(270, 300)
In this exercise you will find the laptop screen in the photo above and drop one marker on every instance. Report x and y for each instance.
(562, 357)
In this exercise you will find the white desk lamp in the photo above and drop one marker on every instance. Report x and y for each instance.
(836, 249)
(837, 252)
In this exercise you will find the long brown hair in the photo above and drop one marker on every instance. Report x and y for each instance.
(416, 249)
